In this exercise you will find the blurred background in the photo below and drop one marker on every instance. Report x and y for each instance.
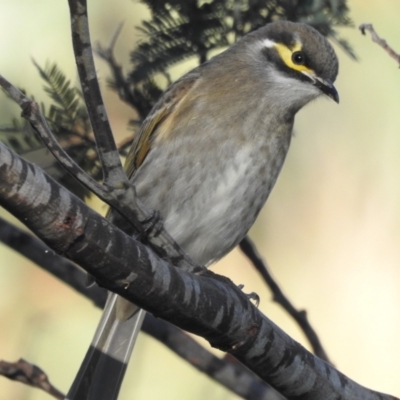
(330, 231)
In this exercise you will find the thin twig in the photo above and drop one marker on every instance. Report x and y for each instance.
(125, 92)
(248, 248)
(381, 42)
(25, 372)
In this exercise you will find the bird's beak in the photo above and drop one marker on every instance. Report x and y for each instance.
(324, 85)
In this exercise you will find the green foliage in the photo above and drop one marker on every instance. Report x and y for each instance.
(67, 114)
(68, 119)
(180, 29)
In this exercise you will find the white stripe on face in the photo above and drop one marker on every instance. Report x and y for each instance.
(268, 43)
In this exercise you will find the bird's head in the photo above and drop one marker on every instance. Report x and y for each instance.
(298, 63)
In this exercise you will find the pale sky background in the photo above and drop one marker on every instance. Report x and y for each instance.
(330, 230)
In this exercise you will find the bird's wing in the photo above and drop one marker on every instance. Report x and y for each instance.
(157, 120)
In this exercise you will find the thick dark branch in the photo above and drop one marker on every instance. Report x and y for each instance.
(381, 42)
(30, 374)
(205, 304)
(234, 377)
(279, 297)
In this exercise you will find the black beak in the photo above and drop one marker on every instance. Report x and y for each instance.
(326, 87)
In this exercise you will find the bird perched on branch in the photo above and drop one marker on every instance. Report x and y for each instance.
(207, 157)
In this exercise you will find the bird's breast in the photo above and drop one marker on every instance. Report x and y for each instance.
(209, 188)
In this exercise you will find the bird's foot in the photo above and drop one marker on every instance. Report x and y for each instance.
(153, 224)
(251, 296)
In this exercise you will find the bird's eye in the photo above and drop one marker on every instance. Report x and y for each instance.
(298, 58)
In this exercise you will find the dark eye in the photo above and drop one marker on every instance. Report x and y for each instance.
(298, 58)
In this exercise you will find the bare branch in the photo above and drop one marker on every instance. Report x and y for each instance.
(381, 42)
(125, 92)
(248, 248)
(25, 372)
(114, 175)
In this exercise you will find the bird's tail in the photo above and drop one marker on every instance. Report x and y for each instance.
(103, 368)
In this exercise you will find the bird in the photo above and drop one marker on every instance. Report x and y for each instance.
(206, 158)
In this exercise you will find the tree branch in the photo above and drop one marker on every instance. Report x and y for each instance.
(205, 304)
(30, 374)
(121, 84)
(231, 375)
(381, 42)
(279, 297)
(114, 175)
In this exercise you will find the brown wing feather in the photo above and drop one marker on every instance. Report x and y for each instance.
(158, 117)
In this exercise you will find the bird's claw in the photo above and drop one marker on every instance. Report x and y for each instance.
(90, 281)
(153, 224)
(255, 297)
(251, 296)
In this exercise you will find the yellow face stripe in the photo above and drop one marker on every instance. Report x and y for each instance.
(286, 56)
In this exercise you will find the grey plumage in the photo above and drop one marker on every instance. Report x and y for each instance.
(209, 153)
(227, 142)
